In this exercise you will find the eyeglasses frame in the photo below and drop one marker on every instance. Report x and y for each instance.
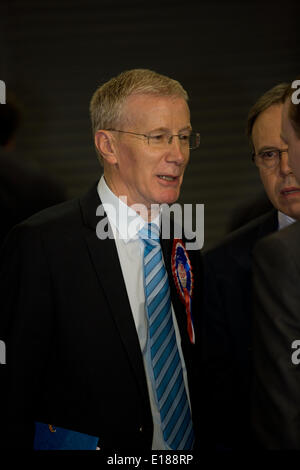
(150, 136)
(280, 151)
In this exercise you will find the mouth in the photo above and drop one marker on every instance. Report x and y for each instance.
(168, 178)
(290, 191)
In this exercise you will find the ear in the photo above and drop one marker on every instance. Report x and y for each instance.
(106, 146)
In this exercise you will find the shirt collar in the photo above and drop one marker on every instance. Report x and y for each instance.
(284, 220)
(122, 217)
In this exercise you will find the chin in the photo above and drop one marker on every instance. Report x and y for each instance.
(168, 198)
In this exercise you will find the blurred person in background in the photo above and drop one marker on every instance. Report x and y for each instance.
(276, 328)
(228, 277)
(24, 189)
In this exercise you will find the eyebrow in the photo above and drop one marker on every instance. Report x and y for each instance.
(187, 128)
(165, 129)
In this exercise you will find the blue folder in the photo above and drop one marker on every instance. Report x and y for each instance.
(49, 437)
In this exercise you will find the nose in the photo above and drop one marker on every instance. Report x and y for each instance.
(177, 152)
(284, 166)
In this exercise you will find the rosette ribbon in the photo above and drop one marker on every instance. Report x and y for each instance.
(183, 277)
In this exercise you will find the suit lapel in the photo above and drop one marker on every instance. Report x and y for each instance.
(105, 260)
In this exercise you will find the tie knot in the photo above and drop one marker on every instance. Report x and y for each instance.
(150, 233)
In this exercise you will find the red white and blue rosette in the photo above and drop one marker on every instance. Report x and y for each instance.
(183, 277)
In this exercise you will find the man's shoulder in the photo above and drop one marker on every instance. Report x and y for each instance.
(286, 239)
(240, 242)
(49, 225)
(65, 215)
(57, 215)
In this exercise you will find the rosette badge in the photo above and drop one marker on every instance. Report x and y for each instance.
(183, 277)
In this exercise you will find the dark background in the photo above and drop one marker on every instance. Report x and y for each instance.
(54, 54)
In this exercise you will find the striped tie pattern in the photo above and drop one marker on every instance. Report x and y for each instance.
(170, 390)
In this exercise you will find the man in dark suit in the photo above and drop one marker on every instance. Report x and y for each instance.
(228, 281)
(86, 352)
(276, 340)
(276, 329)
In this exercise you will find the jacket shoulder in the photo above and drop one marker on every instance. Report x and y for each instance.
(240, 243)
(57, 215)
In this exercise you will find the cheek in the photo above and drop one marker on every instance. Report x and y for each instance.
(269, 182)
(128, 163)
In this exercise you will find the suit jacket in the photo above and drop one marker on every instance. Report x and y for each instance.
(73, 354)
(227, 331)
(276, 393)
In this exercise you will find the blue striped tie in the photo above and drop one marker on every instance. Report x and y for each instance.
(175, 414)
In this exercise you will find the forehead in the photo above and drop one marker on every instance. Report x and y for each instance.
(287, 128)
(266, 129)
(152, 111)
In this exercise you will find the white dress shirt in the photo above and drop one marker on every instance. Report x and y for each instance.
(284, 220)
(125, 224)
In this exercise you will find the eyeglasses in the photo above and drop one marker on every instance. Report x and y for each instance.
(161, 140)
(268, 159)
